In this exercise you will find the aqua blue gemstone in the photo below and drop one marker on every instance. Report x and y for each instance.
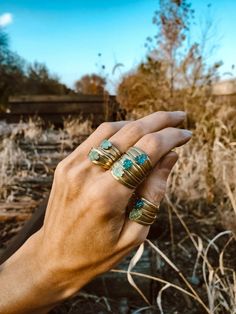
(118, 171)
(139, 204)
(106, 144)
(140, 159)
(127, 164)
(135, 214)
(93, 155)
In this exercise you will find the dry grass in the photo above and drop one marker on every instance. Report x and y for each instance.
(220, 282)
(206, 169)
(77, 127)
(19, 144)
(203, 183)
(10, 156)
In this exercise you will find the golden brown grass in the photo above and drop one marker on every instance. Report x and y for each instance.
(203, 183)
(19, 151)
(206, 169)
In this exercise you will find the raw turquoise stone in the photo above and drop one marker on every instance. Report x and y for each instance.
(139, 204)
(118, 171)
(93, 155)
(140, 159)
(127, 164)
(135, 214)
(106, 144)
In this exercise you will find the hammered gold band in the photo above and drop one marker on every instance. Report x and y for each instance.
(144, 212)
(132, 167)
(104, 155)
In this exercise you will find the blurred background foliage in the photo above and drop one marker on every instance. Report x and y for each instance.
(176, 73)
(19, 77)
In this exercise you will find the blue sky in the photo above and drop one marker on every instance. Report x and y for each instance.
(68, 35)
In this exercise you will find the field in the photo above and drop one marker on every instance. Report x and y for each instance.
(187, 265)
(192, 245)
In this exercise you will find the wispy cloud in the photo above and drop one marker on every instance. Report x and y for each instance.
(6, 19)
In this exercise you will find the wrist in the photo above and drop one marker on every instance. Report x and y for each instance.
(31, 281)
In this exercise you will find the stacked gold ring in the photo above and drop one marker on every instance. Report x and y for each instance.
(132, 167)
(144, 212)
(104, 155)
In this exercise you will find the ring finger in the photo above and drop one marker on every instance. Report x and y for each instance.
(153, 189)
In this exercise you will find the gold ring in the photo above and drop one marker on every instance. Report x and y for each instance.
(144, 212)
(142, 161)
(132, 167)
(104, 155)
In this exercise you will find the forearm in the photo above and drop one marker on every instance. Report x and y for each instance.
(25, 286)
(29, 228)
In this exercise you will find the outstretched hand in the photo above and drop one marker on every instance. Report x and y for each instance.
(86, 230)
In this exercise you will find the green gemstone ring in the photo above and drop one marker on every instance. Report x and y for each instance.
(132, 167)
(104, 155)
(144, 212)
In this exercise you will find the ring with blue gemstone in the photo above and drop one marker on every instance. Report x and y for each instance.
(132, 168)
(144, 211)
(123, 170)
(140, 158)
(105, 154)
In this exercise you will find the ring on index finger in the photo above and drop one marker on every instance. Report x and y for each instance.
(105, 154)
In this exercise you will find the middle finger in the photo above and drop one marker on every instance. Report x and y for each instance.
(155, 145)
(132, 132)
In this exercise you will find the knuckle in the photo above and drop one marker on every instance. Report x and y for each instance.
(64, 170)
(152, 140)
(71, 175)
(164, 116)
(135, 128)
(172, 133)
(157, 194)
(175, 131)
(60, 168)
(106, 127)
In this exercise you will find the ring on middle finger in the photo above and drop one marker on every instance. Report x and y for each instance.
(132, 167)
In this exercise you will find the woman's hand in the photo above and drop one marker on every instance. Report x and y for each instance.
(86, 230)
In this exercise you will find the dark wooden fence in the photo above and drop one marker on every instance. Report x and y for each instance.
(98, 108)
(54, 109)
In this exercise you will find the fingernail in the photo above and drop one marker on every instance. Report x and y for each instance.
(182, 114)
(187, 133)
